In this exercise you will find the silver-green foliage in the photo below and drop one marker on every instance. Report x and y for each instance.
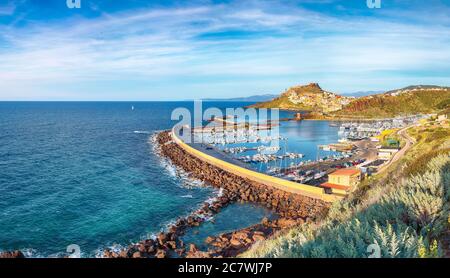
(403, 220)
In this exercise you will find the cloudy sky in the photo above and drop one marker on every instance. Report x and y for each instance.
(150, 50)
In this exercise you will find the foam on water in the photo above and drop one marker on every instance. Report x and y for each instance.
(78, 173)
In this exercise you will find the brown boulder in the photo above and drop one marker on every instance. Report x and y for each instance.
(284, 223)
(162, 238)
(235, 242)
(192, 248)
(171, 244)
(180, 251)
(123, 254)
(209, 239)
(257, 237)
(12, 255)
(142, 248)
(161, 254)
(108, 254)
(198, 254)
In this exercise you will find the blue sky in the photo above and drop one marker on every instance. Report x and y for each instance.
(161, 50)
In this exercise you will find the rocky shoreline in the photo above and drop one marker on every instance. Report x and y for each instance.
(291, 209)
(12, 255)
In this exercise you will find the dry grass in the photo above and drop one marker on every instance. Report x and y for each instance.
(406, 216)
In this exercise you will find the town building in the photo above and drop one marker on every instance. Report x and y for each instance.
(342, 181)
(442, 118)
(386, 153)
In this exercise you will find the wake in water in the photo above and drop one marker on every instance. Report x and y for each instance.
(142, 132)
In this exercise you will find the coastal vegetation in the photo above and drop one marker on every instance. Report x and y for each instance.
(399, 102)
(388, 136)
(405, 215)
(326, 105)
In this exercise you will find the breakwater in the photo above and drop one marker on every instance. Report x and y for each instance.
(292, 209)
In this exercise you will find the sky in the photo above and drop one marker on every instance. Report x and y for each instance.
(177, 50)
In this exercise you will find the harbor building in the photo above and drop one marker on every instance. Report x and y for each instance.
(386, 153)
(342, 181)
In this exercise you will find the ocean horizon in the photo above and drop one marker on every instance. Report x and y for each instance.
(86, 173)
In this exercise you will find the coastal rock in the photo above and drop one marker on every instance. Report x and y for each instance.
(124, 254)
(142, 248)
(258, 237)
(235, 242)
(193, 248)
(284, 223)
(171, 244)
(162, 238)
(180, 251)
(292, 209)
(12, 255)
(161, 254)
(240, 235)
(198, 254)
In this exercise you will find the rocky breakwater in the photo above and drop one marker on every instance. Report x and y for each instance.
(12, 255)
(292, 209)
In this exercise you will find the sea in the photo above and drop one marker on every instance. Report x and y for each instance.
(88, 173)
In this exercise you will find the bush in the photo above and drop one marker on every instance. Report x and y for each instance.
(419, 165)
(403, 220)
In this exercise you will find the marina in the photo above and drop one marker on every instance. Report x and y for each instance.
(300, 151)
(364, 130)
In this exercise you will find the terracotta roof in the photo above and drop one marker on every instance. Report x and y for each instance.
(335, 186)
(346, 172)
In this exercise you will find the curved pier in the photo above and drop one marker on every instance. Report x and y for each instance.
(281, 184)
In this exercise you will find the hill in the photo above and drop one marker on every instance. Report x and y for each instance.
(309, 97)
(409, 100)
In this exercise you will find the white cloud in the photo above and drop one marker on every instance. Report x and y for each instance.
(165, 50)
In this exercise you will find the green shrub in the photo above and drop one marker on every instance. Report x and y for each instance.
(403, 220)
(419, 165)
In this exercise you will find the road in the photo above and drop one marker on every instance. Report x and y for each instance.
(409, 141)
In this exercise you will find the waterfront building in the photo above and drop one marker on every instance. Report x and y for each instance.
(342, 181)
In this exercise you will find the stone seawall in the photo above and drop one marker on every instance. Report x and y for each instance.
(286, 204)
(292, 209)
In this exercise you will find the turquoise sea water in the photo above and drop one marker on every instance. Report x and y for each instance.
(85, 173)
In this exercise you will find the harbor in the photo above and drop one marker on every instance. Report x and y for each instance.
(305, 152)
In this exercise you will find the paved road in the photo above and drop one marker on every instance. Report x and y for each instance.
(409, 141)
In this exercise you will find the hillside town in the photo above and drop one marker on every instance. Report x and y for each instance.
(313, 96)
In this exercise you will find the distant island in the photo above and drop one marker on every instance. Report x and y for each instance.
(254, 98)
(322, 104)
